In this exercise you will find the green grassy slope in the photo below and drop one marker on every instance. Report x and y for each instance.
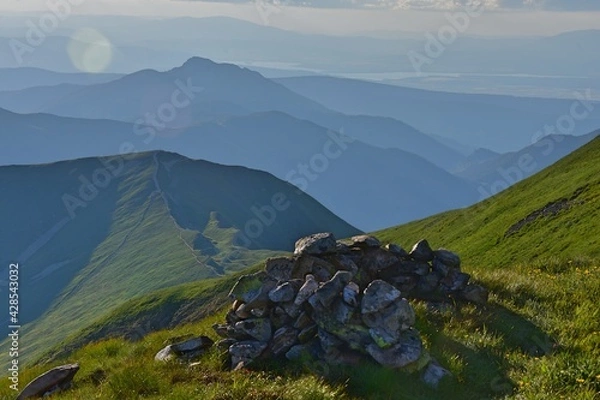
(539, 337)
(483, 235)
(165, 220)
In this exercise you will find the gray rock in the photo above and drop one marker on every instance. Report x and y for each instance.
(307, 334)
(57, 379)
(282, 293)
(283, 339)
(187, 350)
(421, 251)
(342, 312)
(307, 290)
(434, 373)
(193, 345)
(475, 294)
(253, 289)
(346, 263)
(320, 243)
(365, 241)
(331, 289)
(280, 268)
(448, 257)
(374, 260)
(279, 317)
(350, 294)
(378, 295)
(387, 325)
(440, 268)
(396, 250)
(258, 328)
(303, 321)
(245, 352)
(329, 342)
(406, 351)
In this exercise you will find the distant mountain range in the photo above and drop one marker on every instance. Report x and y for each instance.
(499, 123)
(344, 174)
(97, 232)
(23, 78)
(495, 172)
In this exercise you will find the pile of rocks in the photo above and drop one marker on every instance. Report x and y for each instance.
(343, 302)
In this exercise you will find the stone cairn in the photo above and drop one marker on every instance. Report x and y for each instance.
(342, 302)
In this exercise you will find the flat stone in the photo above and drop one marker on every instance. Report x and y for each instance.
(406, 351)
(199, 343)
(378, 295)
(258, 328)
(280, 268)
(56, 379)
(282, 293)
(283, 339)
(245, 352)
(365, 241)
(320, 243)
(421, 251)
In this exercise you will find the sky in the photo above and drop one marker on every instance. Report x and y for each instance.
(499, 17)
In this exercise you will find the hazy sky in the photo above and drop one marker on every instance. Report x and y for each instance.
(500, 17)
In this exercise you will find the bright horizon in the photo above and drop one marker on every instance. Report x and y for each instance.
(492, 22)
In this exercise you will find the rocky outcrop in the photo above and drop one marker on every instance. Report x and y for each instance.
(341, 302)
(55, 380)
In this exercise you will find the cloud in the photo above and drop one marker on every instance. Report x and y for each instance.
(439, 5)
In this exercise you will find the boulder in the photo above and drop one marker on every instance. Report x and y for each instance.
(421, 251)
(365, 241)
(319, 243)
(57, 379)
(406, 351)
(378, 295)
(282, 293)
(243, 353)
(448, 257)
(475, 294)
(279, 268)
(258, 328)
(283, 339)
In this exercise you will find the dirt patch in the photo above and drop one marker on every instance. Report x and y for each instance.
(551, 209)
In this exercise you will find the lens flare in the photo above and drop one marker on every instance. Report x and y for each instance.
(90, 51)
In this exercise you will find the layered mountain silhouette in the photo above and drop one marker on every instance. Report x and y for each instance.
(91, 233)
(494, 172)
(499, 123)
(344, 174)
(201, 90)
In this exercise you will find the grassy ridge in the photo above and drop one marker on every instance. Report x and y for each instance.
(539, 337)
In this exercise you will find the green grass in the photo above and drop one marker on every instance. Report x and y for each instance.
(538, 338)
(532, 342)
